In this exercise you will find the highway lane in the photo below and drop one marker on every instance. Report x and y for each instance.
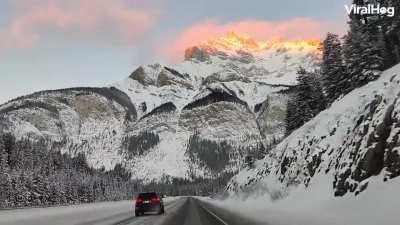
(171, 210)
(197, 212)
(192, 211)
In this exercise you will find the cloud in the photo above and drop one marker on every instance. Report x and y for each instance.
(116, 20)
(261, 30)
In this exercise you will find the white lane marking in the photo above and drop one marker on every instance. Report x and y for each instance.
(217, 217)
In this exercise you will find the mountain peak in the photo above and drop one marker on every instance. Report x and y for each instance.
(234, 43)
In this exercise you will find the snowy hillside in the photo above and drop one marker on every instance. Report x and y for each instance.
(198, 118)
(348, 147)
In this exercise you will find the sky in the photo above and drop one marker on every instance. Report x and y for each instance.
(51, 44)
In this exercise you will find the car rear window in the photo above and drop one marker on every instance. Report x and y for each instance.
(147, 195)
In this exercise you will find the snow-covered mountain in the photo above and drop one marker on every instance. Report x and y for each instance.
(349, 146)
(198, 118)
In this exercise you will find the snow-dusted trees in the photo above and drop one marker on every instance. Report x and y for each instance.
(306, 102)
(212, 154)
(4, 184)
(33, 175)
(141, 143)
(368, 49)
(372, 43)
(391, 30)
(216, 155)
(332, 69)
(200, 186)
(387, 27)
(370, 46)
(3, 157)
(363, 54)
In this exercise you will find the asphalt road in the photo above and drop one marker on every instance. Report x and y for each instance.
(196, 212)
(189, 211)
(181, 211)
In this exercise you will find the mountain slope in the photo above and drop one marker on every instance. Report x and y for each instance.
(89, 120)
(350, 143)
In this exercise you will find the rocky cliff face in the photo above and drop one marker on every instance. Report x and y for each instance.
(198, 118)
(92, 120)
(351, 142)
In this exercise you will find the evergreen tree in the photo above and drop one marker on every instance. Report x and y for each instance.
(307, 101)
(385, 27)
(3, 157)
(139, 144)
(3, 174)
(363, 55)
(371, 44)
(332, 68)
(391, 30)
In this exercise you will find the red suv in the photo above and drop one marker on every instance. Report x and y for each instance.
(148, 202)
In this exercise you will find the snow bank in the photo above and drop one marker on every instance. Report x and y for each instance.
(378, 204)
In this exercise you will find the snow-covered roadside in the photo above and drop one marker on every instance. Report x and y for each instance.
(68, 215)
(333, 154)
(379, 204)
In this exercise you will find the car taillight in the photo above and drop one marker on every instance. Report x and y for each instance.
(138, 200)
(155, 200)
